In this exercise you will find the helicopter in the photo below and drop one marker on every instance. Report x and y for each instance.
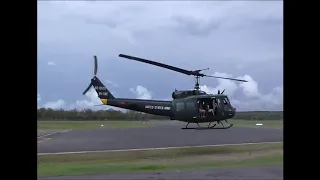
(190, 106)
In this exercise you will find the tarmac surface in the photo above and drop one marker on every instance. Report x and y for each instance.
(245, 173)
(151, 137)
(171, 135)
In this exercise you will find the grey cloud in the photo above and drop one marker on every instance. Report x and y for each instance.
(195, 27)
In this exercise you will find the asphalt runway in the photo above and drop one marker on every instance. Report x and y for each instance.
(161, 135)
(262, 172)
(151, 137)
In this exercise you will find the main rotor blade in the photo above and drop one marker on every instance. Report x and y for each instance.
(226, 78)
(95, 65)
(183, 71)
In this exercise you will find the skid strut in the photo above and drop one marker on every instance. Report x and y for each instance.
(210, 127)
(191, 128)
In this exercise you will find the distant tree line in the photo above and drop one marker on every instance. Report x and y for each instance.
(88, 114)
(260, 115)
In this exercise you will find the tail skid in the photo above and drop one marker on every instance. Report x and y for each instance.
(102, 91)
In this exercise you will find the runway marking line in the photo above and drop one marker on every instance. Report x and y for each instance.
(162, 148)
(44, 139)
(53, 133)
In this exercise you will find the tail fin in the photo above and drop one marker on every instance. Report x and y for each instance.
(103, 92)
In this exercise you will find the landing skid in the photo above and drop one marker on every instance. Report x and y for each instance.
(210, 127)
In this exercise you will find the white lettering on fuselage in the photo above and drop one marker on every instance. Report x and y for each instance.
(101, 88)
(157, 107)
(167, 108)
(102, 93)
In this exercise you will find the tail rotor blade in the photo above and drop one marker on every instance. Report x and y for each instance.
(223, 91)
(95, 65)
(85, 91)
(218, 91)
(94, 73)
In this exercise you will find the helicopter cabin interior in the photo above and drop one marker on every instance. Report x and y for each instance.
(204, 106)
(208, 106)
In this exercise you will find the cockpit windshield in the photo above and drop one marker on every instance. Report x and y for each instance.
(226, 100)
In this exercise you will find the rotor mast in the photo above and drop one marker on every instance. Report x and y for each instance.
(197, 86)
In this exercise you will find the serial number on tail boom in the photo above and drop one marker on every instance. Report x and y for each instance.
(158, 107)
(100, 88)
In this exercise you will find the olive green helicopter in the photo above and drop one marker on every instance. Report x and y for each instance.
(190, 106)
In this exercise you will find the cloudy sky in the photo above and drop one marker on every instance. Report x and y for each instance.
(233, 38)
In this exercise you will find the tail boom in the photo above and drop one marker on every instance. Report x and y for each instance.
(160, 108)
(103, 93)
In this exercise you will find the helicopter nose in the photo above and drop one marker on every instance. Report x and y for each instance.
(232, 112)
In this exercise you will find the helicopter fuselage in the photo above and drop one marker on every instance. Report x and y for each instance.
(192, 106)
(183, 109)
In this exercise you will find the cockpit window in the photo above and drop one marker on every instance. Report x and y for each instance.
(202, 92)
(226, 101)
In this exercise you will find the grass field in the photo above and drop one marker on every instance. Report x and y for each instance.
(134, 124)
(165, 159)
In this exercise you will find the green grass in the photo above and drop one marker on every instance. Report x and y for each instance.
(98, 167)
(266, 123)
(88, 124)
(129, 161)
(116, 156)
(134, 124)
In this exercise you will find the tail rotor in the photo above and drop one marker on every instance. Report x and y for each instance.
(95, 70)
